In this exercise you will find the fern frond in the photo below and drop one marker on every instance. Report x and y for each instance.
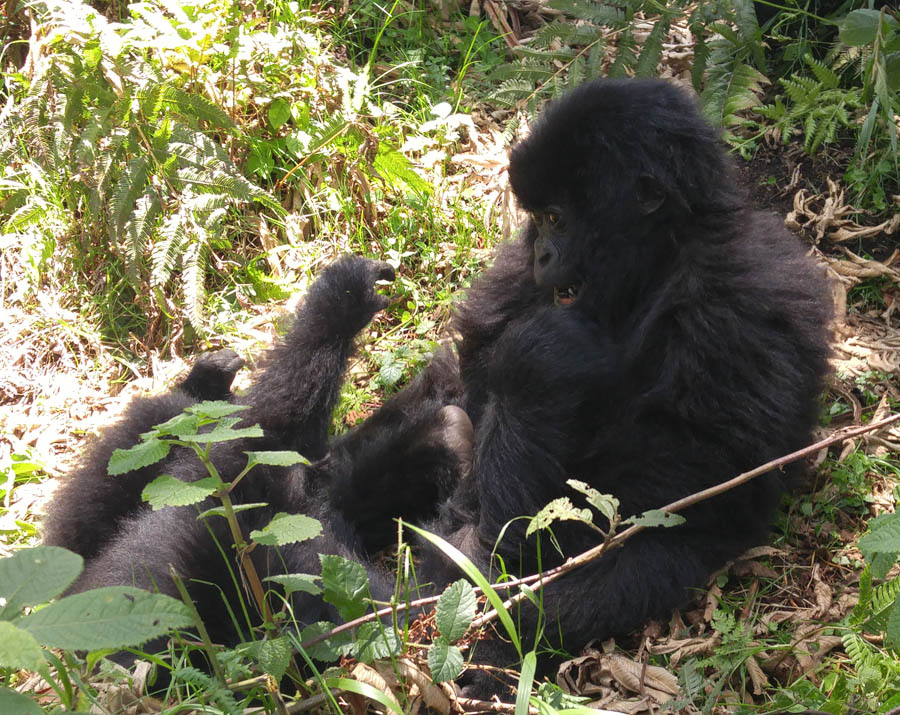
(511, 92)
(567, 34)
(193, 277)
(856, 648)
(130, 185)
(651, 54)
(827, 77)
(138, 230)
(193, 107)
(167, 249)
(564, 54)
(625, 55)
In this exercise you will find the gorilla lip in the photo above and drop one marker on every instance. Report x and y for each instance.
(566, 295)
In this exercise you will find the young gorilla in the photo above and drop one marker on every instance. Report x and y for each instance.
(648, 334)
(89, 507)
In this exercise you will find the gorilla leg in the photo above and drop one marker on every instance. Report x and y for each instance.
(88, 508)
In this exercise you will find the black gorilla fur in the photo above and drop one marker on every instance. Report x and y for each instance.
(648, 333)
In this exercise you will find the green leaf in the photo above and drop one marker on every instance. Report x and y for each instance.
(279, 113)
(883, 537)
(275, 656)
(237, 508)
(13, 703)
(526, 680)
(143, 454)
(375, 641)
(606, 504)
(892, 71)
(892, 632)
(275, 459)
(558, 510)
(860, 27)
(656, 517)
(215, 409)
(18, 649)
(345, 585)
(455, 610)
(179, 425)
(330, 649)
(294, 582)
(470, 570)
(445, 661)
(166, 490)
(33, 576)
(366, 690)
(223, 434)
(111, 617)
(287, 529)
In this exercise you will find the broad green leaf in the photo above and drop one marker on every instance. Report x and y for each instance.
(287, 529)
(18, 649)
(276, 459)
(294, 582)
(143, 454)
(330, 649)
(892, 632)
(445, 661)
(275, 656)
(526, 680)
(470, 570)
(606, 504)
(279, 112)
(215, 409)
(220, 511)
(111, 617)
(179, 425)
(33, 576)
(860, 27)
(366, 690)
(223, 434)
(455, 610)
(656, 517)
(166, 490)
(13, 703)
(345, 585)
(883, 538)
(892, 71)
(375, 641)
(558, 510)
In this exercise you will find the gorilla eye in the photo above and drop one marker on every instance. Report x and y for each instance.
(553, 217)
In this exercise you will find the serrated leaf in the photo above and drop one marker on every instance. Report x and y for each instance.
(167, 490)
(331, 648)
(33, 576)
(884, 539)
(18, 649)
(283, 458)
(275, 656)
(656, 517)
(111, 617)
(287, 529)
(558, 510)
(143, 454)
(455, 610)
(345, 585)
(224, 434)
(237, 508)
(445, 661)
(606, 504)
(375, 641)
(294, 582)
(181, 424)
(15, 703)
(215, 409)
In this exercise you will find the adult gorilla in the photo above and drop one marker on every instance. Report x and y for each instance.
(648, 333)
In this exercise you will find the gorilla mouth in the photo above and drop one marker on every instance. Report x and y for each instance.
(566, 295)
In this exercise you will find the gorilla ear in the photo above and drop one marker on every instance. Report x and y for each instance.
(650, 194)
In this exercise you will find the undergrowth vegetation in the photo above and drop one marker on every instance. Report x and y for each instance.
(171, 171)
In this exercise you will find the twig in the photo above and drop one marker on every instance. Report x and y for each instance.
(552, 574)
